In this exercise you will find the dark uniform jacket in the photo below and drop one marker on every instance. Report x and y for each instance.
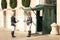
(29, 20)
(13, 21)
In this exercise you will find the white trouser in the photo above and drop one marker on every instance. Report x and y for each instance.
(13, 28)
(29, 27)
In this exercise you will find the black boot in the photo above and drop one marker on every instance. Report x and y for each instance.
(12, 33)
(29, 34)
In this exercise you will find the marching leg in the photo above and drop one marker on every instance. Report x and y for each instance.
(29, 34)
(29, 31)
(12, 33)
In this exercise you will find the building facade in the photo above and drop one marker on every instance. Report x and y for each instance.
(21, 25)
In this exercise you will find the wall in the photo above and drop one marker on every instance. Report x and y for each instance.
(58, 12)
(21, 25)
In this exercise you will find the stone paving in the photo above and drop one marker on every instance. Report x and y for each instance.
(5, 35)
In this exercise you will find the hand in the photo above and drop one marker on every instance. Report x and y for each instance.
(24, 21)
(17, 20)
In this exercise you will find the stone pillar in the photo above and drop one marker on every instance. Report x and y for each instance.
(19, 3)
(54, 28)
(58, 12)
(40, 2)
(0, 4)
(8, 4)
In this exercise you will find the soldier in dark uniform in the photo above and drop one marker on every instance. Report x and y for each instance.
(13, 21)
(29, 24)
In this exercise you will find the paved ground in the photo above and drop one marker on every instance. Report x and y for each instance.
(5, 35)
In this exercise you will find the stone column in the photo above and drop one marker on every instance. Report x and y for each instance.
(19, 3)
(40, 2)
(54, 27)
(8, 4)
(58, 12)
(0, 4)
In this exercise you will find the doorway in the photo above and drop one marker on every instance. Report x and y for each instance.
(39, 21)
